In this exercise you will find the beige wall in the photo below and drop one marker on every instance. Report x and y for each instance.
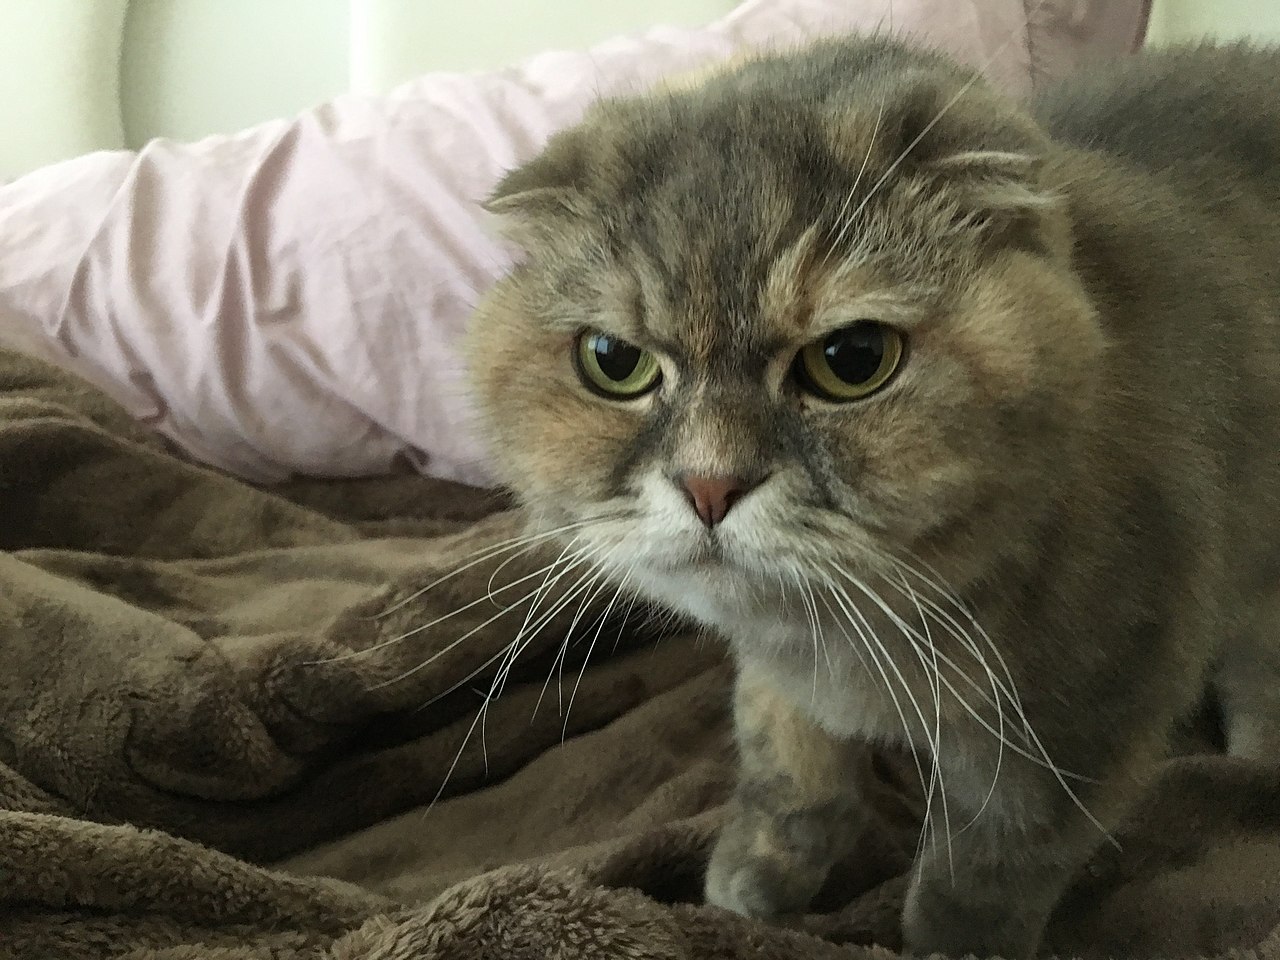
(195, 67)
(83, 75)
(395, 40)
(1174, 21)
(80, 75)
(59, 92)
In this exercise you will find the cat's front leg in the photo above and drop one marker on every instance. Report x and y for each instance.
(997, 910)
(797, 809)
(990, 889)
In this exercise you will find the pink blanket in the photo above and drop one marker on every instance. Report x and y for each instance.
(289, 299)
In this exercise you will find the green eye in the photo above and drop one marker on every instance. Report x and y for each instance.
(614, 368)
(851, 363)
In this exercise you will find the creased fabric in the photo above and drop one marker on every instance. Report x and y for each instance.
(227, 716)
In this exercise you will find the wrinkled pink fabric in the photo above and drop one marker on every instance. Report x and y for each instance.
(290, 299)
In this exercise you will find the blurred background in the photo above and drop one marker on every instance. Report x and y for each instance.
(82, 75)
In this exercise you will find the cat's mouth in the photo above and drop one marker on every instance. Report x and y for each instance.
(708, 553)
(715, 554)
(697, 552)
(704, 553)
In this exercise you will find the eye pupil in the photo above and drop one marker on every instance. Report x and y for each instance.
(616, 359)
(851, 363)
(855, 354)
(614, 368)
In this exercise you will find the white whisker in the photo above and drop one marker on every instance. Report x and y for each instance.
(1041, 756)
(589, 581)
(599, 583)
(499, 679)
(934, 747)
(488, 552)
(854, 617)
(365, 651)
(842, 219)
(936, 689)
(514, 648)
(548, 584)
(604, 618)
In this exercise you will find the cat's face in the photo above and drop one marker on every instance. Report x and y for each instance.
(745, 347)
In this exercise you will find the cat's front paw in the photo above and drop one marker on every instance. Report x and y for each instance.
(754, 888)
(746, 879)
(946, 923)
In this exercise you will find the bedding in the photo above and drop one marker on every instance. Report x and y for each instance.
(227, 715)
(288, 300)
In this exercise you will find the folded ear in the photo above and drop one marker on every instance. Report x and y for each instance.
(999, 195)
(943, 133)
(548, 186)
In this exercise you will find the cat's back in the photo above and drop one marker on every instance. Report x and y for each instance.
(1207, 116)
(1173, 174)
(1173, 179)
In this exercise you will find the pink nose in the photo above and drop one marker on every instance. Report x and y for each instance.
(711, 497)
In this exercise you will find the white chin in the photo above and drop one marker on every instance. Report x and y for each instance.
(705, 564)
(701, 557)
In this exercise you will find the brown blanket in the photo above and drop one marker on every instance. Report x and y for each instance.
(225, 714)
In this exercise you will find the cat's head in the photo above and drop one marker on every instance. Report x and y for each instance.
(818, 310)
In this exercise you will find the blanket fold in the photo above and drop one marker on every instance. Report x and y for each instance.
(248, 723)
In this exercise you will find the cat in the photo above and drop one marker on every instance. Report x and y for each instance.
(958, 418)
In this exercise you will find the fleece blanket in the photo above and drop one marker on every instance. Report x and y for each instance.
(245, 724)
